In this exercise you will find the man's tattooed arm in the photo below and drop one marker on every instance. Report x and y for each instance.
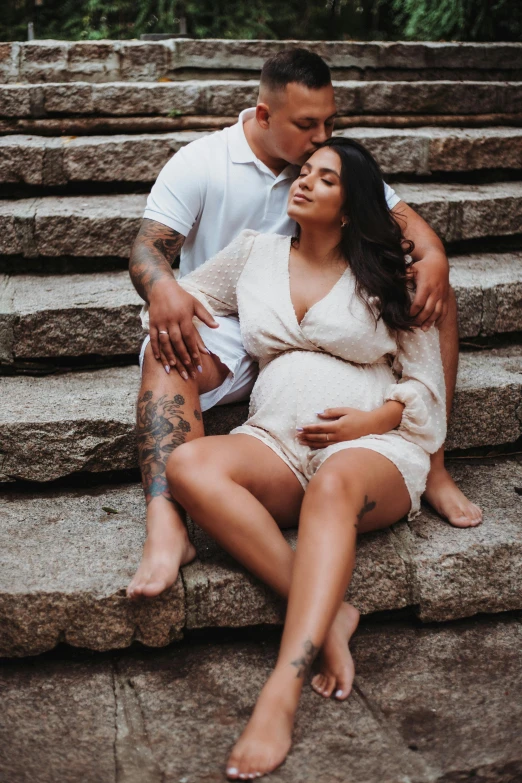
(161, 427)
(304, 663)
(154, 251)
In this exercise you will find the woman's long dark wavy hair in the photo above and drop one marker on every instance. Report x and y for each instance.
(372, 241)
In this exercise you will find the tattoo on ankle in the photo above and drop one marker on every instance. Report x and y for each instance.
(160, 429)
(304, 663)
(368, 506)
(197, 415)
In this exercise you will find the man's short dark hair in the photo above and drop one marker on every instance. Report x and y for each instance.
(295, 65)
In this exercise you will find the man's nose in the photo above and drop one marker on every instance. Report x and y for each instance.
(320, 135)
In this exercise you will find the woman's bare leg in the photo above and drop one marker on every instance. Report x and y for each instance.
(441, 491)
(247, 494)
(354, 490)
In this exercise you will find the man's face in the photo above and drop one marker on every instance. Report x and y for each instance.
(300, 119)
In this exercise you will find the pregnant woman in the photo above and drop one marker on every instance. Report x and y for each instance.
(326, 316)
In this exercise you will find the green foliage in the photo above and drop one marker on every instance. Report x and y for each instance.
(459, 20)
(463, 20)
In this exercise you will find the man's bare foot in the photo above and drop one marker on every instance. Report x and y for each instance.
(336, 669)
(266, 740)
(446, 498)
(167, 547)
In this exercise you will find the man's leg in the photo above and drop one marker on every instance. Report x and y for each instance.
(168, 414)
(441, 491)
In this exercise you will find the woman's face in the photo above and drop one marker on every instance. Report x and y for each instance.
(316, 196)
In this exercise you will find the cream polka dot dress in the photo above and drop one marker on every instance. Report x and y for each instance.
(336, 357)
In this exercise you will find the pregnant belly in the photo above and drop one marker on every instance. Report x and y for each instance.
(295, 386)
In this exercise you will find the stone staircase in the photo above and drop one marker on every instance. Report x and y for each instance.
(85, 128)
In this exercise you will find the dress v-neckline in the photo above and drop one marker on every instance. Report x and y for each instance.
(289, 289)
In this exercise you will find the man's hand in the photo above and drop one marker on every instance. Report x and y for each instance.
(171, 309)
(173, 336)
(430, 270)
(342, 424)
(430, 304)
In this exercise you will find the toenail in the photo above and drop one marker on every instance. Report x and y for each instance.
(231, 771)
(339, 694)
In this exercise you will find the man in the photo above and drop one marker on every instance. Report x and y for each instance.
(205, 195)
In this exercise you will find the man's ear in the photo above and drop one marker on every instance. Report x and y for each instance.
(263, 115)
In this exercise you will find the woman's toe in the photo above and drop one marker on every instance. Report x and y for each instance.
(330, 684)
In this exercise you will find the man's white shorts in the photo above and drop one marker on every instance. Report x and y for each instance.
(225, 342)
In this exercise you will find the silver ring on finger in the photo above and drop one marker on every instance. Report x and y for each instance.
(327, 437)
(160, 331)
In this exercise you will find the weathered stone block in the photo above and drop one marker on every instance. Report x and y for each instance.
(488, 405)
(145, 61)
(15, 100)
(127, 98)
(91, 226)
(93, 61)
(474, 149)
(43, 61)
(71, 315)
(461, 572)
(229, 98)
(75, 98)
(22, 159)
(64, 572)
(9, 59)
(488, 288)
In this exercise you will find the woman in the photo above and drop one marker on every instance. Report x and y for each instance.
(326, 316)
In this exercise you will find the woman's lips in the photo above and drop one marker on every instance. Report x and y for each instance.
(300, 197)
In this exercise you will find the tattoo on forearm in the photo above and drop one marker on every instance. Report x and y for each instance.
(153, 253)
(161, 427)
(304, 663)
(197, 415)
(368, 506)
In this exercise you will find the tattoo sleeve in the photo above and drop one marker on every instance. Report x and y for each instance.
(154, 251)
(161, 427)
(304, 663)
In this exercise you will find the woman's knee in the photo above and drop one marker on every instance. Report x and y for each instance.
(333, 481)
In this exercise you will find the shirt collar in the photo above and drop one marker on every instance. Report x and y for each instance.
(240, 150)
(238, 147)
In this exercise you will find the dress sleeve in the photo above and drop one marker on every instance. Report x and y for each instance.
(214, 283)
(421, 388)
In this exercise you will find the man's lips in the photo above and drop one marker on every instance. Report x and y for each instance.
(301, 197)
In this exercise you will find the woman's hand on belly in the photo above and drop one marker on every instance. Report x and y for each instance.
(341, 424)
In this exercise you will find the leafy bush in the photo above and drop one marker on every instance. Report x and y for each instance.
(463, 20)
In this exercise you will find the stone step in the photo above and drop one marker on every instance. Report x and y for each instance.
(61, 424)
(432, 704)
(106, 225)
(110, 61)
(229, 97)
(83, 314)
(39, 160)
(67, 558)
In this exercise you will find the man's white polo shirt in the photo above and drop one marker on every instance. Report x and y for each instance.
(215, 187)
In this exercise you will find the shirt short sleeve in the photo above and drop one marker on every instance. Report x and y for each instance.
(176, 198)
(392, 198)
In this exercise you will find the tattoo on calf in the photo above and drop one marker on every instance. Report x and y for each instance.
(368, 506)
(160, 429)
(304, 663)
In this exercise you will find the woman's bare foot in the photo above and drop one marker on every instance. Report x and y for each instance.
(267, 738)
(447, 499)
(167, 547)
(336, 669)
